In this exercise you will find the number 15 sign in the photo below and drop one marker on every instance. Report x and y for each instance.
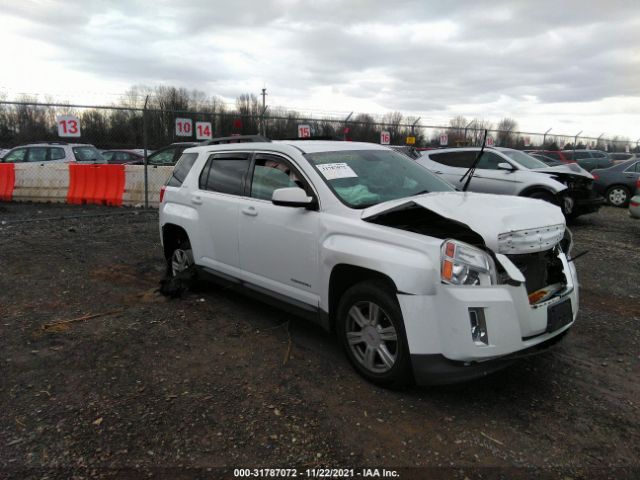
(68, 126)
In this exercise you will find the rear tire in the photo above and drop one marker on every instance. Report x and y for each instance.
(618, 196)
(371, 330)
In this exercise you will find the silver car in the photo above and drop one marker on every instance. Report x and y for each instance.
(511, 172)
(54, 152)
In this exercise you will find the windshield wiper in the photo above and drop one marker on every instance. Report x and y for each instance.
(472, 168)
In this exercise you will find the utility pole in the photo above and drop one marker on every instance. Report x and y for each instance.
(344, 132)
(264, 109)
(575, 141)
(598, 140)
(145, 142)
(465, 130)
(544, 139)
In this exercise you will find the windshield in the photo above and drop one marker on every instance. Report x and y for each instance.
(523, 159)
(88, 154)
(361, 178)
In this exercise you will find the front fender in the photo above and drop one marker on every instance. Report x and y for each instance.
(412, 271)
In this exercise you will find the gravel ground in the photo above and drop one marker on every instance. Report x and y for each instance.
(142, 385)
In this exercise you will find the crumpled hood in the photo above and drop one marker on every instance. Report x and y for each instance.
(570, 169)
(508, 224)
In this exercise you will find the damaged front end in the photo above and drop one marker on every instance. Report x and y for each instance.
(579, 198)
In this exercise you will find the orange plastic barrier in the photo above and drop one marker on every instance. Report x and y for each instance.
(7, 181)
(99, 184)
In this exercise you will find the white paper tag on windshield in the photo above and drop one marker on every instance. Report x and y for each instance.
(332, 171)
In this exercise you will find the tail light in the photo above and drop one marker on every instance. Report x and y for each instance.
(638, 184)
(162, 189)
(595, 176)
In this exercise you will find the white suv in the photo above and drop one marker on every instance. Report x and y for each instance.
(54, 152)
(418, 280)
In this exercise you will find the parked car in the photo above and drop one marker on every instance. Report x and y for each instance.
(546, 160)
(128, 157)
(617, 183)
(634, 203)
(407, 150)
(619, 157)
(3, 152)
(416, 278)
(54, 152)
(554, 154)
(589, 159)
(506, 171)
(170, 154)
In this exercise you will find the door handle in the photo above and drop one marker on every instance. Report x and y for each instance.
(252, 212)
(196, 199)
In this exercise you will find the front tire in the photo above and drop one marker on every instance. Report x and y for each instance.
(371, 331)
(181, 272)
(618, 196)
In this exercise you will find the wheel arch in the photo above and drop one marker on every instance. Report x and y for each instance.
(172, 236)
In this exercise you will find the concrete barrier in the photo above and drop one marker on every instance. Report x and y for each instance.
(134, 184)
(41, 182)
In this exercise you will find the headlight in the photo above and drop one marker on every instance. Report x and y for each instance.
(567, 242)
(462, 264)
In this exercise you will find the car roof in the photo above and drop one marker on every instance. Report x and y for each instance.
(305, 146)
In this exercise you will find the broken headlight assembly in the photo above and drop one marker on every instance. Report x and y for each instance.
(462, 264)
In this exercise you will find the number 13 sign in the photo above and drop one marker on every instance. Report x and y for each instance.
(68, 126)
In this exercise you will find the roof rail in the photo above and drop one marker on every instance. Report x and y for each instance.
(316, 137)
(51, 142)
(236, 139)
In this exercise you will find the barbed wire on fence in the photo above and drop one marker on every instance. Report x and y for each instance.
(118, 126)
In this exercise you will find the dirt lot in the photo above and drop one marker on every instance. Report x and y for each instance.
(153, 386)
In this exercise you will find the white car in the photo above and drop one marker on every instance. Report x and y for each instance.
(418, 280)
(507, 171)
(54, 152)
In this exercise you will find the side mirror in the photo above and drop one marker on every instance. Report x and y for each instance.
(292, 197)
(505, 166)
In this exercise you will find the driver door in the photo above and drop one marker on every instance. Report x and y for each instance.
(488, 178)
(278, 245)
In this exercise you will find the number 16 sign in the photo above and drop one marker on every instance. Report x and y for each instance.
(68, 126)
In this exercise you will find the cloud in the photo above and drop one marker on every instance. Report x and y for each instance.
(419, 56)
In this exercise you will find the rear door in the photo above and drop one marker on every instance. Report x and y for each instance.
(278, 245)
(221, 185)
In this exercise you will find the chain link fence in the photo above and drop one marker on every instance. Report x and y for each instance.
(141, 130)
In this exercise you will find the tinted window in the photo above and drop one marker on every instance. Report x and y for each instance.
(579, 155)
(554, 155)
(489, 161)
(37, 154)
(87, 154)
(225, 173)
(182, 168)
(635, 168)
(269, 174)
(599, 154)
(460, 159)
(108, 156)
(165, 157)
(16, 155)
(56, 153)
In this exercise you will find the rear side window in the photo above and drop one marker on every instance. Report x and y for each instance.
(87, 154)
(182, 169)
(225, 173)
(56, 153)
(37, 154)
(454, 159)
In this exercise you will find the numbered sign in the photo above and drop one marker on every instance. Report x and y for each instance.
(68, 126)
(490, 141)
(304, 131)
(385, 138)
(411, 140)
(626, 149)
(184, 127)
(203, 131)
(444, 140)
(527, 141)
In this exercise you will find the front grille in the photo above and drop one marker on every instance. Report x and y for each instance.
(540, 269)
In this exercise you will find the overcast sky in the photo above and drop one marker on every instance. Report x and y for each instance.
(569, 65)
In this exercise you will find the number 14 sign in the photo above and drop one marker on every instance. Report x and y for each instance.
(203, 131)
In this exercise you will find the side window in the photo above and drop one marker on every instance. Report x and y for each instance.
(182, 169)
(568, 155)
(454, 159)
(56, 153)
(37, 154)
(271, 173)
(225, 173)
(635, 168)
(165, 157)
(580, 155)
(553, 155)
(122, 156)
(108, 156)
(490, 161)
(598, 155)
(16, 156)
